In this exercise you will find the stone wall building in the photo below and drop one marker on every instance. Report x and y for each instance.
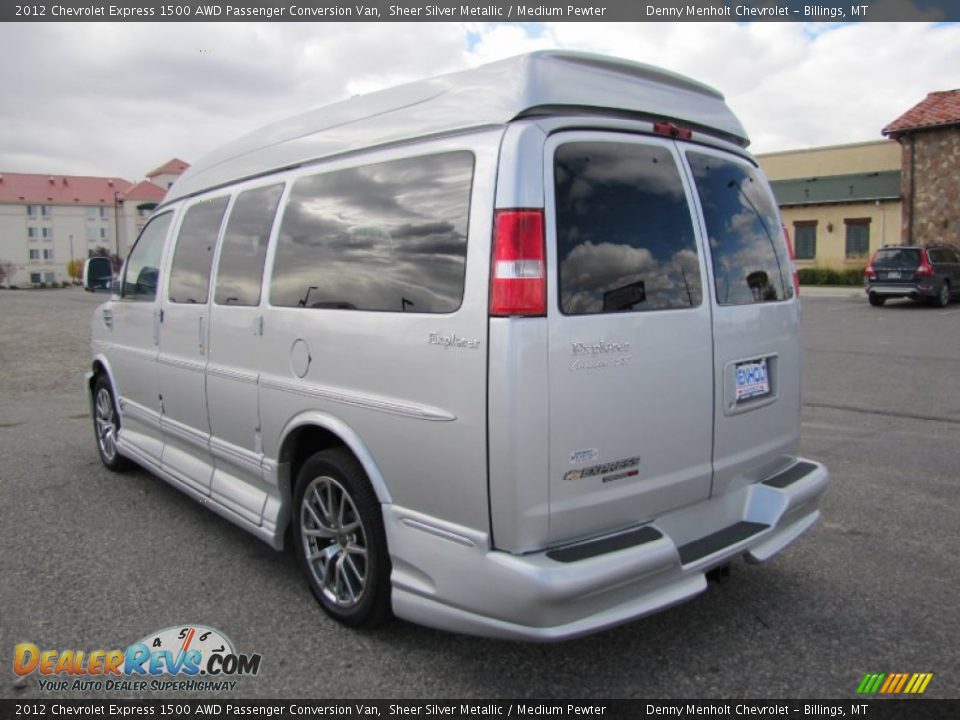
(929, 137)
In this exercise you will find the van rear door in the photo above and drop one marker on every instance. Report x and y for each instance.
(756, 320)
(630, 342)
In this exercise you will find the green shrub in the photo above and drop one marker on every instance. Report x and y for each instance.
(42, 286)
(829, 276)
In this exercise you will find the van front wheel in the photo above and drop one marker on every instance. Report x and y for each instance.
(106, 425)
(339, 539)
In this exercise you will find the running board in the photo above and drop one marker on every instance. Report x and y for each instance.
(715, 542)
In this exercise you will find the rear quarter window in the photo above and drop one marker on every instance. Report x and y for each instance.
(749, 256)
(625, 239)
(388, 237)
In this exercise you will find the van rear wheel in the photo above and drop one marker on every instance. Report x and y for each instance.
(876, 300)
(339, 539)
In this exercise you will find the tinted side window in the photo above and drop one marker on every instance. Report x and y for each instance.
(142, 273)
(390, 237)
(240, 270)
(750, 261)
(624, 235)
(190, 274)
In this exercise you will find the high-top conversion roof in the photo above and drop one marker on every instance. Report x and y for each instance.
(541, 83)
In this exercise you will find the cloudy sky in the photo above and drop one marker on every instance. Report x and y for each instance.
(119, 99)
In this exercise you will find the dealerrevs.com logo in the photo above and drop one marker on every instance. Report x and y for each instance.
(180, 658)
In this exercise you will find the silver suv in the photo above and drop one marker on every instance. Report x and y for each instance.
(511, 352)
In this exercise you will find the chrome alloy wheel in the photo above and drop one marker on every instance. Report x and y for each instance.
(334, 541)
(106, 424)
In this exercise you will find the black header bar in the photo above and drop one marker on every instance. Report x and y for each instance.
(481, 11)
(870, 708)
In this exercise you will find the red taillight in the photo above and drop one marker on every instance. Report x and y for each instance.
(518, 276)
(868, 270)
(671, 130)
(793, 265)
(924, 269)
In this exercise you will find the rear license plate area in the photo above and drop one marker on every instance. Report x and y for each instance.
(752, 380)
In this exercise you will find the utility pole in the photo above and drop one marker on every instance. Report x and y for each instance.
(116, 221)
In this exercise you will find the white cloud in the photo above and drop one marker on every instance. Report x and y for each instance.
(117, 99)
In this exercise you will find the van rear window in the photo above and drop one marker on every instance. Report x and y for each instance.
(389, 237)
(750, 260)
(625, 239)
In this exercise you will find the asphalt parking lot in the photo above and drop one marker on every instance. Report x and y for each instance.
(93, 560)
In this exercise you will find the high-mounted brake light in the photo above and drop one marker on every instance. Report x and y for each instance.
(793, 264)
(671, 130)
(518, 279)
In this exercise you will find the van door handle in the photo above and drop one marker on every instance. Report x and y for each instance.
(202, 343)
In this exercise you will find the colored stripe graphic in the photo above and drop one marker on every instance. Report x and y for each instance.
(894, 683)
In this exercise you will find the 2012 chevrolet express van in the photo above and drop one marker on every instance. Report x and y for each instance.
(512, 351)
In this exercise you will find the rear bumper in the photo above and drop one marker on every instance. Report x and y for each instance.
(893, 291)
(447, 577)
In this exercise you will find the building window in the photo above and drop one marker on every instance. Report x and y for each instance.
(91, 213)
(103, 233)
(48, 254)
(49, 277)
(32, 211)
(31, 233)
(46, 211)
(103, 213)
(34, 254)
(858, 238)
(91, 234)
(805, 239)
(46, 233)
(35, 278)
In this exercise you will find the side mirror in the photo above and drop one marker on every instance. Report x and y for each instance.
(98, 275)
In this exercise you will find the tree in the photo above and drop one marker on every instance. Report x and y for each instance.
(75, 269)
(7, 269)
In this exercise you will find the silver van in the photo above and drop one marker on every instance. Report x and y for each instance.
(511, 352)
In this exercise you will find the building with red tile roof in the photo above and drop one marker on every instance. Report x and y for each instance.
(929, 137)
(144, 190)
(35, 188)
(47, 220)
(938, 109)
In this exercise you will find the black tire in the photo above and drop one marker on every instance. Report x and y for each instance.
(106, 423)
(943, 297)
(340, 543)
(876, 300)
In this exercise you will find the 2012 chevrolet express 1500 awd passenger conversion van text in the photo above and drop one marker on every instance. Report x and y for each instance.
(512, 351)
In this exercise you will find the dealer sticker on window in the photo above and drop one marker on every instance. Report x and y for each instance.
(752, 379)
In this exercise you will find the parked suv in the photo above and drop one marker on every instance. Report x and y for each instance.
(927, 272)
(512, 351)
